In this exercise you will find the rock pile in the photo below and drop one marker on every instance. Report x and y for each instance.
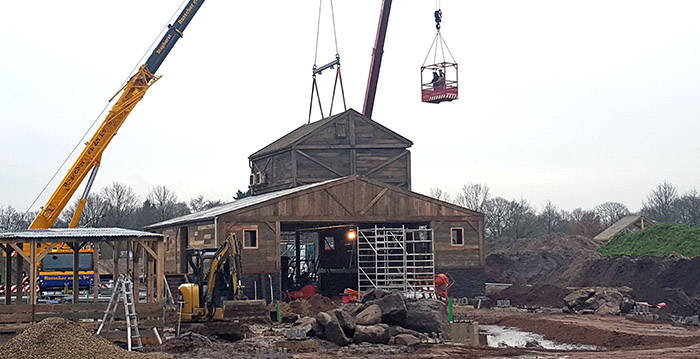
(382, 317)
(61, 338)
(603, 301)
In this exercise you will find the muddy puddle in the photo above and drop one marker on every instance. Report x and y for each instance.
(497, 336)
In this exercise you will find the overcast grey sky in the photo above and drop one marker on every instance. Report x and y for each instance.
(577, 102)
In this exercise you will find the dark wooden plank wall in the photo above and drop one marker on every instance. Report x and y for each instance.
(365, 149)
(449, 256)
(265, 258)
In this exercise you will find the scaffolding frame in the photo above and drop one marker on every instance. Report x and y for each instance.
(396, 259)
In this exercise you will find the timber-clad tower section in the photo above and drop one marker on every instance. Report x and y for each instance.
(346, 144)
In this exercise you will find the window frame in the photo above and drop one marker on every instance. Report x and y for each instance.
(452, 239)
(257, 238)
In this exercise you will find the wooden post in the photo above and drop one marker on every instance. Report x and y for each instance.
(149, 277)
(75, 246)
(96, 278)
(137, 270)
(160, 271)
(32, 275)
(115, 258)
(8, 274)
(18, 277)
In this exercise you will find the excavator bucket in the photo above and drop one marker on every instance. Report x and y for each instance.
(246, 311)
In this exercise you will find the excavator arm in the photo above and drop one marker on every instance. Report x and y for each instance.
(226, 265)
(131, 94)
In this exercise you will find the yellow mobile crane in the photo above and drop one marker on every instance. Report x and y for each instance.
(131, 94)
(53, 275)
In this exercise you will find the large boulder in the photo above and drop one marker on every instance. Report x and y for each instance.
(335, 334)
(323, 318)
(577, 298)
(395, 330)
(373, 294)
(345, 320)
(378, 334)
(370, 316)
(427, 316)
(393, 308)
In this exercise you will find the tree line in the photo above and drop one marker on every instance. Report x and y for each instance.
(118, 205)
(517, 218)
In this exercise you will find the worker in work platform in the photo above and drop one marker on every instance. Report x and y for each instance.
(440, 82)
(435, 78)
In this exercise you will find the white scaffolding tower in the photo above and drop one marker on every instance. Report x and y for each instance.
(396, 259)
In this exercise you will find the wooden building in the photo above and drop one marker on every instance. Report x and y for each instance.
(324, 212)
(627, 224)
(342, 145)
(309, 188)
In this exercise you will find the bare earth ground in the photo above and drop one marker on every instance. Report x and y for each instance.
(618, 337)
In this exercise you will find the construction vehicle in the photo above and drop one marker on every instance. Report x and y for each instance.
(89, 160)
(215, 292)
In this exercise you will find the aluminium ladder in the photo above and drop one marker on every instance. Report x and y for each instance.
(123, 292)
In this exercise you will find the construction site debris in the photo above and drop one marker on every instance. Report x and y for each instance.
(61, 338)
(540, 295)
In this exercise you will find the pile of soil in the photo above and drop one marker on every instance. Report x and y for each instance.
(552, 259)
(309, 307)
(61, 338)
(542, 295)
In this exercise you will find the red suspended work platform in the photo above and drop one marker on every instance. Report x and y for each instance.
(439, 82)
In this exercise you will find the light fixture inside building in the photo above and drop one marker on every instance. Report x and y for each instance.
(352, 235)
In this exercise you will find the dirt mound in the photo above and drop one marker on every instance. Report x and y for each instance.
(61, 338)
(553, 259)
(649, 278)
(309, 307)
(544, 295)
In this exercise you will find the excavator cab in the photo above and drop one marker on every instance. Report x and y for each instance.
(439, 82)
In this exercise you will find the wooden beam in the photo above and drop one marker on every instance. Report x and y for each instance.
(310, 158)
(20, 252)
(18, 277)
(338, 201)
(115, 261)
(8, 274)
(32, 275)
(46, 251)
(374, 201)
(137, 270)
(388, 162)
(149, 277)
(149, 250)
(76, 270)
(160, 271)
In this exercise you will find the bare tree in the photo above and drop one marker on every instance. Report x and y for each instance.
(513, 219)
(12, 220)
(497, 217)
(687, 208)
(659, 203)
(550, 219)
(611, 212)
(473, 196)
(585, 223)
(199, 204)
(523, 219)
(439, 194)
(164, 202)
(121, 202)
(93, 213)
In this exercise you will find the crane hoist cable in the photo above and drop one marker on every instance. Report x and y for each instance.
(316, 70)
(126, 79)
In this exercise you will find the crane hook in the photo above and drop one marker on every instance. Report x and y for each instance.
(438, 18)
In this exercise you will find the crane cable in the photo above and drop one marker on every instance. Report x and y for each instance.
(314, 85)
(82, 138)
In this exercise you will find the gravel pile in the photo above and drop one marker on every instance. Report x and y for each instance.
(61, 338)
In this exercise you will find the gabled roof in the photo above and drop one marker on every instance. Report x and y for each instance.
(635, 221)
(304, 131)
(266, 198)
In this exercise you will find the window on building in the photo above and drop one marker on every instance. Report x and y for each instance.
(167, 243)
(457, 236)
(340, 130)
(250, 238)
